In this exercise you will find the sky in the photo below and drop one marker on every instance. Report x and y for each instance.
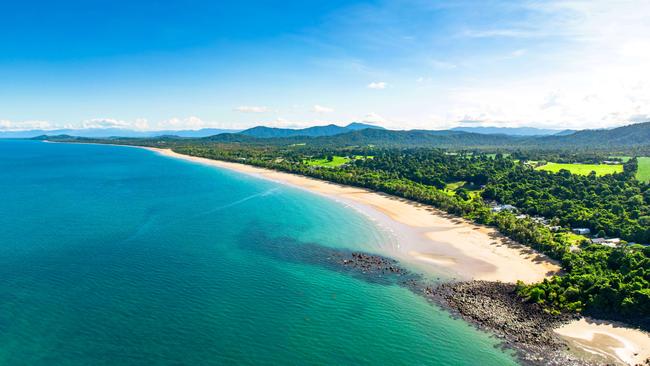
(401, 64)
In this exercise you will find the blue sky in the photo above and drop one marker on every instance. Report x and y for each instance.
(400, 63)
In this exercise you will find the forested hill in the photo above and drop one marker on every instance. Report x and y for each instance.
(414, 138)
(632, 136)
(329, 130)
(513, 131)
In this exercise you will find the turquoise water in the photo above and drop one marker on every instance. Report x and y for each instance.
(119, 256)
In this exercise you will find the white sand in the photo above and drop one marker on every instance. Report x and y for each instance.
(607, 342)
(425, 236)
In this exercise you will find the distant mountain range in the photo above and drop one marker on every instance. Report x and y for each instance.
(359, 134)
(636, 135)
(259, 132)
(268, 132)
(514, 131)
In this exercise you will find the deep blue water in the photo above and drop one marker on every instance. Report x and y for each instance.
(119, 256)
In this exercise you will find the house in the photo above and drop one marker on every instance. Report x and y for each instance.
(581, 231)
(499, 208)
(541, 220)
(555, 228)
(612, 242)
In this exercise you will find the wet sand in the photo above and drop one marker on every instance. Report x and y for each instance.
(606, 341)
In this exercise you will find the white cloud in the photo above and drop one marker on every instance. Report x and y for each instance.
(501, 33)
(443, 65)
(191, 123)
(251, 109)
(141, 124)
(373, 118)
(104, 123)
(281, 122)
(7, 125)
(320, 109)
(518, 53)
(591, 72)
(377, 85)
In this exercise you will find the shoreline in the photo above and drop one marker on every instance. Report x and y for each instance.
(427, 238)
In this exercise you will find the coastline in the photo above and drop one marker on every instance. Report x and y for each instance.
(437, 242)
(427, 238)
(593, 341)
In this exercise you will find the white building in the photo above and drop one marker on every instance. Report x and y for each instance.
(613, 242)
(499, 208)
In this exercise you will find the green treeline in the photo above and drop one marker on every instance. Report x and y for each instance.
(614, 204)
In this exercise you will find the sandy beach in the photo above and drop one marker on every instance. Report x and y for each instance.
(427, 237)
(606, 341)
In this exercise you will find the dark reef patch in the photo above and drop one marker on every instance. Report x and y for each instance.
(490, 306)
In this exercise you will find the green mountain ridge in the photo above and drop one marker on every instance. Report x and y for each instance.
(636, 136)
(316, 131)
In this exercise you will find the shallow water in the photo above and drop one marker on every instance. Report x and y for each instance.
(119, 256)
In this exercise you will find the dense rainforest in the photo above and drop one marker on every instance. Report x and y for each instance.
(610, 282)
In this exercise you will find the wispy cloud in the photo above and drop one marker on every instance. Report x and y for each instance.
(502, 33)
(251, 109)
(377, 85)
(320, 109)
(373, 118)
(105, 123)
(191, 122)
(8, 125)
(518, 53)
(443, 65)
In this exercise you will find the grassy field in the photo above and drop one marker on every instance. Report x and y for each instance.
(451, 188)
(572, 238)
(495, 155)
(624, 159)
(643, 174)
(455, 185)
(583, 169)
(336, 161)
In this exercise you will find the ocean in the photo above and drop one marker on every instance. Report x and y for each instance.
(119, 256)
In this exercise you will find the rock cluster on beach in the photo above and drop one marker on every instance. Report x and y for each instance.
(495, 307)
(491, 306)
(373, 263)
